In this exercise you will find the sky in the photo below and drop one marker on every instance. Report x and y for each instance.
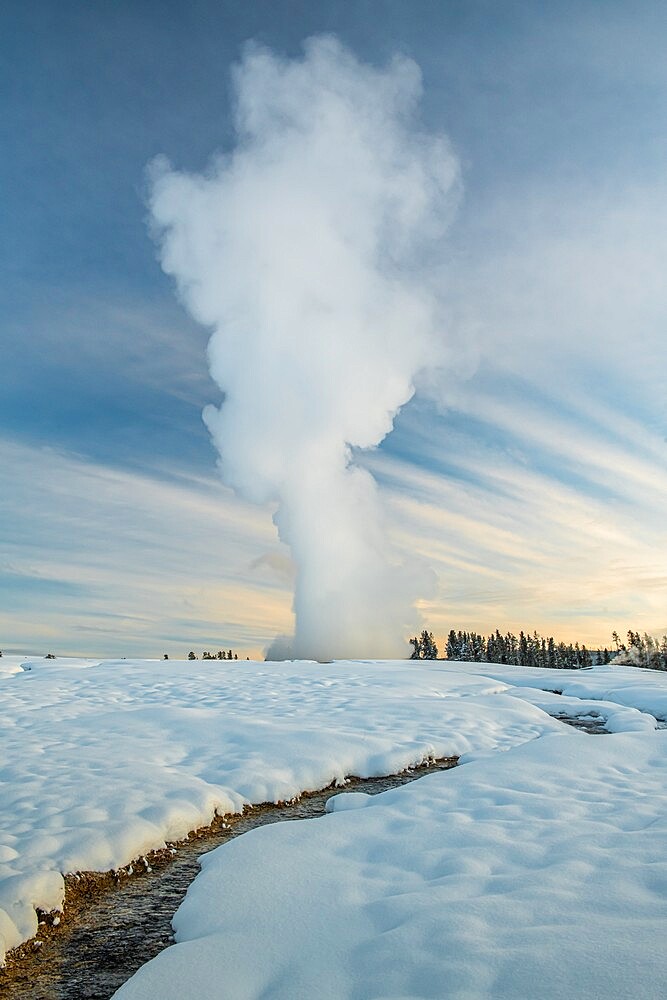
(529, 472)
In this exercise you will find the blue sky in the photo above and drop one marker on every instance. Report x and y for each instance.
(531, 475)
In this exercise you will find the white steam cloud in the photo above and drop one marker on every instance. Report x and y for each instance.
(308, 250)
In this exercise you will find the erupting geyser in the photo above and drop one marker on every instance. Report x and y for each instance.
(306, 250)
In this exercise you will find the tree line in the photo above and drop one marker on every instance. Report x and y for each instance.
(220, 655)
(642, 650)
(533, 650)
(526, 650)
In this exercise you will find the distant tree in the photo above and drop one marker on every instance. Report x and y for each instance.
(166, 656)
(191, 656)
(429, 649)
(229, 655)
(417, 648)
(652, 649)
(236, 656)
(551, 652)
(453, 650)
(49, 656)
(642, 651)
(543, 657)
(221, 655)
(476, 647)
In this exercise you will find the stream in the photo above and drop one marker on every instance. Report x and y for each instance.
(120, 924)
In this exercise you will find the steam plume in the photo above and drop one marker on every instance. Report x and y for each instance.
(305, 250)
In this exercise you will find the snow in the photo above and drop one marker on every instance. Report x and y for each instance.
(101, 762)
(519, 874)
(539, 872)
(645, 690)
(536, 868)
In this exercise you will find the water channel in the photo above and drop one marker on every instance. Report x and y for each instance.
(113, 925)
(117, 925)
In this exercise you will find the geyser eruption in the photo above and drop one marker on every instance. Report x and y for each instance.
(306, 249)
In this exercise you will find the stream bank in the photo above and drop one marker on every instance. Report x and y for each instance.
(115, 922)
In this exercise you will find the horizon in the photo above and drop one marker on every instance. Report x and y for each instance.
(441, 643)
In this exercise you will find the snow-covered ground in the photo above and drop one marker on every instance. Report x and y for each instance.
(535, 869)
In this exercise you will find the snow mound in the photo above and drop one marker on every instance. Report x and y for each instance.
(537, 872)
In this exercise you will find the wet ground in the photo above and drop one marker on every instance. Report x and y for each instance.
(113, 926)
(591, 724)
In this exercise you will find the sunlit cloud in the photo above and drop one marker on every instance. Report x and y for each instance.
(103, 560)
(517, 544)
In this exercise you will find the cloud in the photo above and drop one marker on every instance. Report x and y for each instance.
(546, 472)
(536, 521)
(564, 286)
(309, 252)
(109, 562)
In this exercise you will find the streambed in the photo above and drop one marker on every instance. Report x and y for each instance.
(112, 926)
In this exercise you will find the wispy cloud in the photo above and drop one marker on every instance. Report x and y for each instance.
(119, 562)
(571, 544)
(539, 491)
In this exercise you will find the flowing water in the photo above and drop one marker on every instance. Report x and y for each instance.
(591, 724)
(117, 925)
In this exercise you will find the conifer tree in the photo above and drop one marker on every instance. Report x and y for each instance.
(429, 650)
(417, 648)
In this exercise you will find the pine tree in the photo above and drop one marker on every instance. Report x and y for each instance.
(429, 650)
(453, 649)
(551, 652)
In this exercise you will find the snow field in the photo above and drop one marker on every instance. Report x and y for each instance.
(536, 868)
(102, 761)
(633, 687)
(540, 872)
